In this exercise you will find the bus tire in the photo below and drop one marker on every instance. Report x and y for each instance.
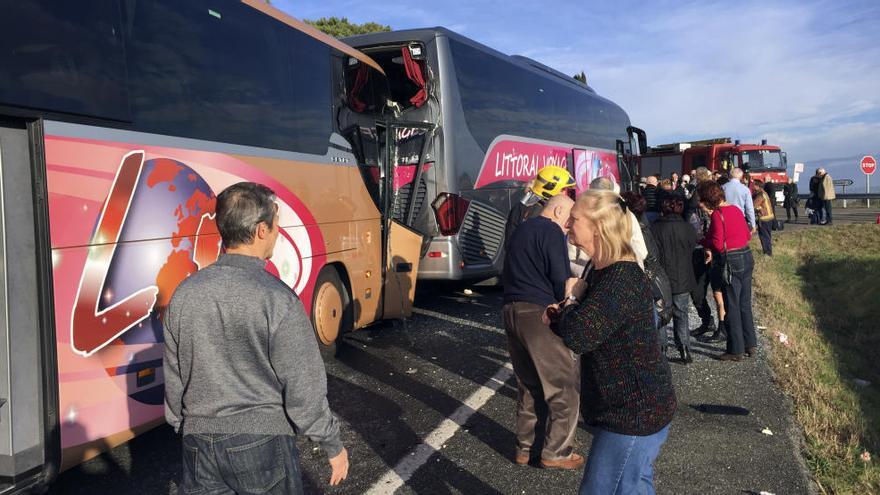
(331, 310)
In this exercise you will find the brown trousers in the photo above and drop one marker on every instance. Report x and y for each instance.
(547, 372)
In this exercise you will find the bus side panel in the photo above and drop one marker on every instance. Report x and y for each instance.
(128, 223)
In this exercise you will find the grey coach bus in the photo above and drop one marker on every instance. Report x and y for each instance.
(496, 120)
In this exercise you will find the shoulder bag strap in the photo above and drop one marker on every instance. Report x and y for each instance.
(723, 230)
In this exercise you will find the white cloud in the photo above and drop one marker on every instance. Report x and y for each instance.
(762, 72)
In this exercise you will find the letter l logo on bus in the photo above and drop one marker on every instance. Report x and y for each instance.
(92, 329)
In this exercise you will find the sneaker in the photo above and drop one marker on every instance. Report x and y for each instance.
(522, 459)
(573, 461)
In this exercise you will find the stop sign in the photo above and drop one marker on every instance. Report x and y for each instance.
(868, 164)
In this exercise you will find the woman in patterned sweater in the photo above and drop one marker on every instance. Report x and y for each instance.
(626, 385)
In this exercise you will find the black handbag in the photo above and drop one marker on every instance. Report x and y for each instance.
(719, 262)
(660, 288)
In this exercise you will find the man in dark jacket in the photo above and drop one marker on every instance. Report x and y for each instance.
(790, 191)
(550, 181)
(816, 197)
(535, 271)
(675, 242)
(652, 208)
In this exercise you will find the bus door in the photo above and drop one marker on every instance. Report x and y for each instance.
(403, 156)
(628, 157)
(29, 447)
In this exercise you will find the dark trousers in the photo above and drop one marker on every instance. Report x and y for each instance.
(740, 321)
(698, 294)
(766, 235)
(218, 464)
(826, 207)
(789, 210)
(547, 372)
(681, 333)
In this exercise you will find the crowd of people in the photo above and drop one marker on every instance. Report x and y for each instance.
(587, 320)
(591, 287)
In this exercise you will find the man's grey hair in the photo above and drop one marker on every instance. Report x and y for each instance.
(240, 209)
(736, 173)
(820, 171)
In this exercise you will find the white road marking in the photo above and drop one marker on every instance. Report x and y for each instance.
(453, 319)
(403, 471)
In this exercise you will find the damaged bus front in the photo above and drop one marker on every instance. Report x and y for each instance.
(494, 121)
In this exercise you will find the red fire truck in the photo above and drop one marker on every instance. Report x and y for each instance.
(762, 161)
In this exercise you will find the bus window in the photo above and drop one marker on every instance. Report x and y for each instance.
(408, 79)
(55, 66)
(365, 145)
(267, 86)
(499, 96)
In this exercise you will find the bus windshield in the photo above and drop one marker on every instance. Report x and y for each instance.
(762, 160)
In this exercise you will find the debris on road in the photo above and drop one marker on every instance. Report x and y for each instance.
(783, 338)
(411, 371)
(767, 431)
(861, 383)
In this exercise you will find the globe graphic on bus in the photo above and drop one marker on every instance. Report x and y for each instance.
(167, 208)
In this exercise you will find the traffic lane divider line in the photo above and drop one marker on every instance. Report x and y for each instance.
(418, 457)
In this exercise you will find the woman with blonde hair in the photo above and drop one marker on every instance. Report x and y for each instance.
(627, 396)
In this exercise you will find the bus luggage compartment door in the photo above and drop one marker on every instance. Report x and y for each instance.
(23, 368)
(402, 265)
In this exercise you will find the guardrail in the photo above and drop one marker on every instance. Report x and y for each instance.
(848, 196)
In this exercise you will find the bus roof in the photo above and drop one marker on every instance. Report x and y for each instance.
(265, 8)
(427, 34)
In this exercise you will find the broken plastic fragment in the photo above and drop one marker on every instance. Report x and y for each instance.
(468, 292)
(866, 456)
(767, 431)
(411, 371)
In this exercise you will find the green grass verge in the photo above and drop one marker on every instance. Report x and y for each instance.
(822, 290)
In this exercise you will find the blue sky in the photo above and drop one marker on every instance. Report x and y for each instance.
(804, 75)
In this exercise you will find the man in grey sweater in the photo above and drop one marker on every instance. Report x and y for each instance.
(242, 369)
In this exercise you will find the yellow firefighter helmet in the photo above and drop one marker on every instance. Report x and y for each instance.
(550, 181)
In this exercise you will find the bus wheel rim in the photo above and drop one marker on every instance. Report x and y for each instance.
(328, 313)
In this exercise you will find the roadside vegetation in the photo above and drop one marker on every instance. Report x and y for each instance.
(819, 297)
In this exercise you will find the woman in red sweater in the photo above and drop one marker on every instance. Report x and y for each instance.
(728, 237)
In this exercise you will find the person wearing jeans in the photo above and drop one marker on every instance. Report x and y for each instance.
(611, 468)
(243, 373)
(728, 239)
(675, 245)
(627, 397)
(741, 336)
(246, 463)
